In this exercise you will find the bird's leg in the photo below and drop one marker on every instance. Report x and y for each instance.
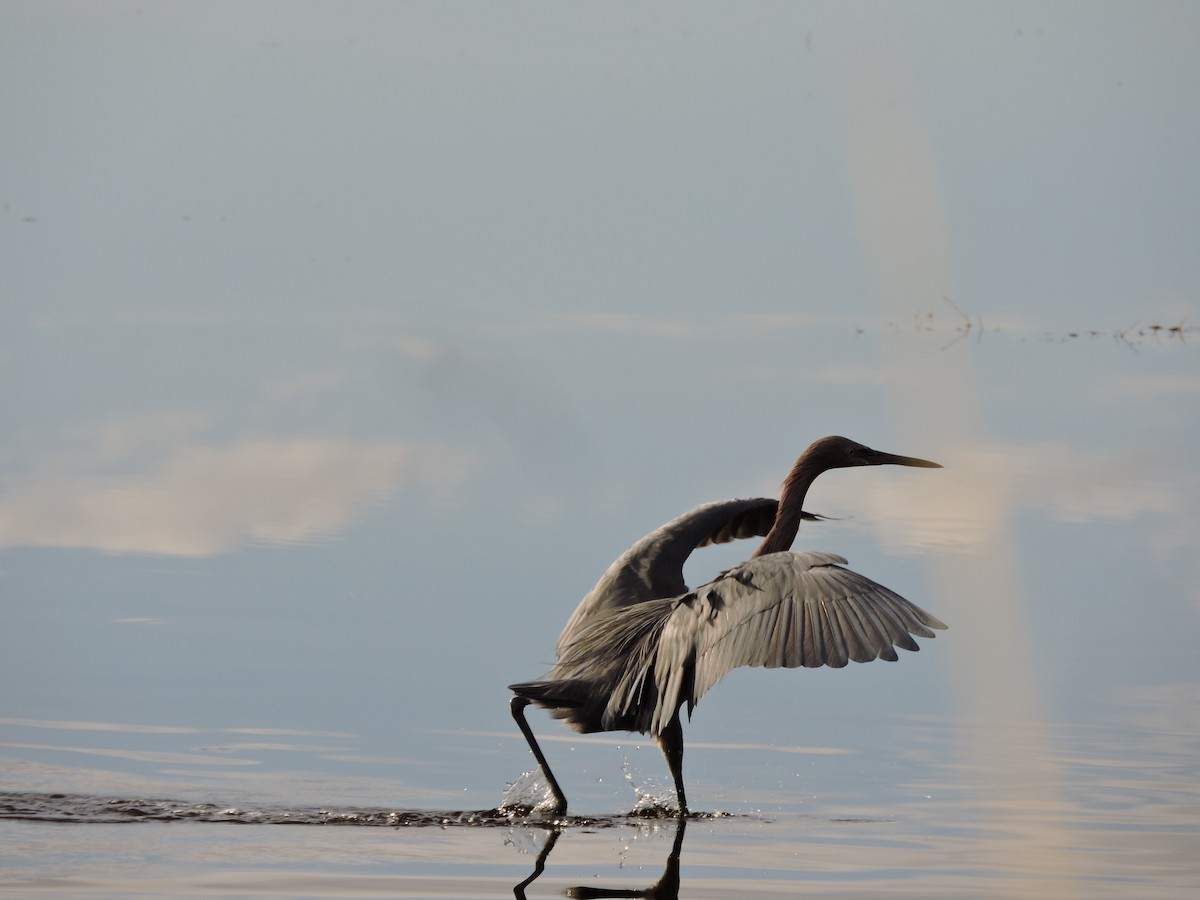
(538, 867)
(518, 710)
(671, 742)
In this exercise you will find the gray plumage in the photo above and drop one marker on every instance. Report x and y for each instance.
(640, 645)
(653, 567)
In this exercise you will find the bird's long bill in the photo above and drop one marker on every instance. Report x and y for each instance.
(892, 459)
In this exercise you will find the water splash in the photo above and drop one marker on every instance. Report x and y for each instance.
(653, 798)
(529, 794)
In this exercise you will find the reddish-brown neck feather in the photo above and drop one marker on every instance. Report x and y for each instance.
(787, 519)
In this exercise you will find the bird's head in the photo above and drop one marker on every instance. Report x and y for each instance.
(836, 452)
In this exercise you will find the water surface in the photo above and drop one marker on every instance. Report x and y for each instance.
(344, 347)
(1109, 813)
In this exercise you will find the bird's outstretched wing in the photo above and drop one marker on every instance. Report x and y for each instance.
(653, 567)
(782, 609)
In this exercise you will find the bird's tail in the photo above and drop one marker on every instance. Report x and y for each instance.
(548, 693)
(567, 699)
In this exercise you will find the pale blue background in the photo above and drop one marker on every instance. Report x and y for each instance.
(344, 345)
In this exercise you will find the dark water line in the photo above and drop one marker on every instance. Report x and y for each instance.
(86, 809)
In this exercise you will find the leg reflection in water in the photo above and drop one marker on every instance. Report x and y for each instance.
(666, 888)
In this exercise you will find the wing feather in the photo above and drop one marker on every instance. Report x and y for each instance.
(839, 655)
(788, 648)
(853, 638)
(780, 610)
(873, 635)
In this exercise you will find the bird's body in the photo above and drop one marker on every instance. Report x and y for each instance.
(640, 644)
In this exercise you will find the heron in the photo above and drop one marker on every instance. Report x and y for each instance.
(640, 645)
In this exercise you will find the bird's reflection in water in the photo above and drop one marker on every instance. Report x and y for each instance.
(666, 888)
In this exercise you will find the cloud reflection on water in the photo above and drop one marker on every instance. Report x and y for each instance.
(146, 756)
(202, 500)
(984, 484)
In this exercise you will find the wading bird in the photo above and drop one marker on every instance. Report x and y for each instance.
(641, 644)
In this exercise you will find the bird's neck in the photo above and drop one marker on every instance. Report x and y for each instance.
(791, 502)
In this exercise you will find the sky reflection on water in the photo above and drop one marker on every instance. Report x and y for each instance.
(1119, 816)
(344, 350)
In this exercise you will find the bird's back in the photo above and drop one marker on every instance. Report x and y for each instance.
(653, 567)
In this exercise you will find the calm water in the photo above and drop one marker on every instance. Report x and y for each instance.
(1096, 812)
(344, 346)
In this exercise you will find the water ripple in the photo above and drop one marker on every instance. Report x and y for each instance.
(90, 809)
